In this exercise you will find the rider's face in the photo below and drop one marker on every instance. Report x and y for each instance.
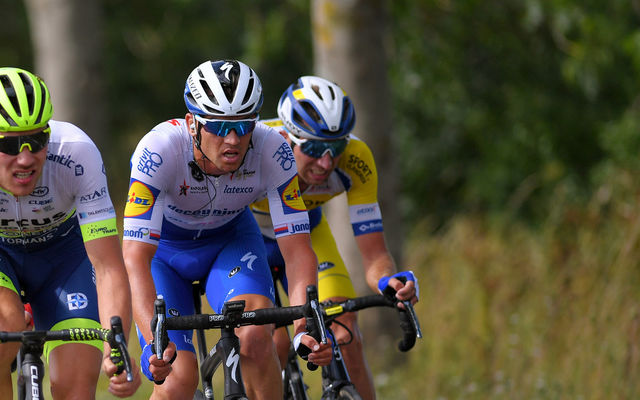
(20, 173)
(224, 154)
(314, 171)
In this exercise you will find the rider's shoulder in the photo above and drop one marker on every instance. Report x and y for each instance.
(62, 130)
(175, 126)
(266, 135)
(357, 146)
(70, 139)
(275, 123)
(169, 133)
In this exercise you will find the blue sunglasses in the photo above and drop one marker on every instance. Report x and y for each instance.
(318, 148)
(222, 127)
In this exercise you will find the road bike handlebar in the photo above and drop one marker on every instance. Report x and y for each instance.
(114, 336)
(408, 318)
(234, 316)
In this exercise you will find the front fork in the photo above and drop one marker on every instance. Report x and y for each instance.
(334, 375)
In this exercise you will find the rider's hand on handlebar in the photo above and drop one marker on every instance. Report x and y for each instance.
(315, 352)
(405, 285)
(154, 369)
(118, 385)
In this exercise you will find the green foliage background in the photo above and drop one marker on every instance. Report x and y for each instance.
(517, 126)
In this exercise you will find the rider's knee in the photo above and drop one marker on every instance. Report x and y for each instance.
(73, 386)
(349, 333)
(256, 342)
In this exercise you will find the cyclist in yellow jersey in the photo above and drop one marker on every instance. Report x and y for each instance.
(59, 247)
(316, 117)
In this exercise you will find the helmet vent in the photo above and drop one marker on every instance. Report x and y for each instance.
(208, 92)
(311, 111)
(301, 122)
(6, 116)
(28, 90)
(316, 89)
(333, 93)
(211, 111)
(347, 115)
(247, 93)
(11, 93)
(43, 95)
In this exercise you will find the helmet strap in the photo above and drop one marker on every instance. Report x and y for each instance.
(196, 140)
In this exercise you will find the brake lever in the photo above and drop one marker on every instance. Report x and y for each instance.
(159, 331)
(120, 342)
(413, 317)
(390, 293)
(315, 322)
(160, 338)
(312, 297)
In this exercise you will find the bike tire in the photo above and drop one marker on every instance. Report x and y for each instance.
(348, 393)
(296, 388)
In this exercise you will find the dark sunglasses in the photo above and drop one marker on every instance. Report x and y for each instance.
(222, 127)
(318, 148)
(14, 145)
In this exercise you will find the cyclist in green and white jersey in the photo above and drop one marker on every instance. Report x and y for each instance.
(59, 247)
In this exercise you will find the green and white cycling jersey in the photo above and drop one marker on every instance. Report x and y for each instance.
(71, 192)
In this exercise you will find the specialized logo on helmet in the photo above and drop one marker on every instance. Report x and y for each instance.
(227, 67)
(140, 200)
(291, 197)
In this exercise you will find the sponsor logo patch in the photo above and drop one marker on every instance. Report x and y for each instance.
(140, 200)
(291, 197)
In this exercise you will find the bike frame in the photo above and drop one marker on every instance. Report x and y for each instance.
(30, 370)
(226, 352)
(334, 375)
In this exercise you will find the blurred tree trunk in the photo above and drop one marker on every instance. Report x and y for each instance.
(349, 48)
(67, 41)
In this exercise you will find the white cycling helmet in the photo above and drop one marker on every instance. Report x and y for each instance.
(223, 88)
(315, 108)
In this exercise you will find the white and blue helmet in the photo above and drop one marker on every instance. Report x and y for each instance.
(315, 108)
(223, 88)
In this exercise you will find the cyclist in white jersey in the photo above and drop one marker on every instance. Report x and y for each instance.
(59, 247)
(187, 220)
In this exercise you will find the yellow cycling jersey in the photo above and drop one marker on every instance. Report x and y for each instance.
(355, 174)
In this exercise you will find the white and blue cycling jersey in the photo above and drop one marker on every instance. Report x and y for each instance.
(201, 223)
(167, 199)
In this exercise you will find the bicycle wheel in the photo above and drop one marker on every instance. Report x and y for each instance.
(348, 393)
(295, 388)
